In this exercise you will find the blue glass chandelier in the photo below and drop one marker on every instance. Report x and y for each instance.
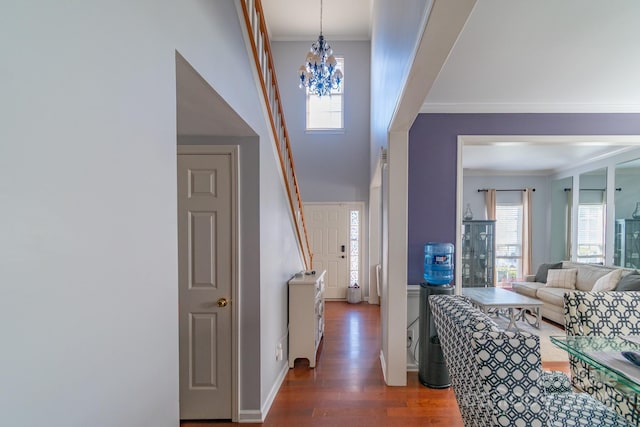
(319, 73)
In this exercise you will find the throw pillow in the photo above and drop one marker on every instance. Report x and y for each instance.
(541, 275)
(630, 282)
(607, 282)
(562, 278)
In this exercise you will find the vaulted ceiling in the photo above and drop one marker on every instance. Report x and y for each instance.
(512, 56)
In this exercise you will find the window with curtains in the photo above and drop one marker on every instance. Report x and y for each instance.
(591, 232)
(508, 242)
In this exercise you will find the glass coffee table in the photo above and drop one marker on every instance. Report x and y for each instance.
(515, 305)
(603, 353)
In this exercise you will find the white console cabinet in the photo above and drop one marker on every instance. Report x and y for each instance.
(306, 316)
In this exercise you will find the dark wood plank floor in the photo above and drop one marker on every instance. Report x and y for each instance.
(347, 388)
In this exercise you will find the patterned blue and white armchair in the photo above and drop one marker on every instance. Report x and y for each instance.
(497, 376)
(601, 314)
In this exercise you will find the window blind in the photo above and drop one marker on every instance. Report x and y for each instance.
(591, 232)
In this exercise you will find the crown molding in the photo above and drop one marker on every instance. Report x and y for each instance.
(460, 108)
(330, 39)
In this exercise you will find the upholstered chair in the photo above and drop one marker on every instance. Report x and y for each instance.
(602, 314)
(497, 376)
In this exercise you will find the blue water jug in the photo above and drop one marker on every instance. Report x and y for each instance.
(438, 263)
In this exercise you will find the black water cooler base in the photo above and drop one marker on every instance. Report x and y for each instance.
(432, 370)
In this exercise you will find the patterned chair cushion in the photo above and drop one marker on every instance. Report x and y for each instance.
(496, 375)
(563, 411)
(455, 321)
(601, 314)
(556, 382)
(511, 375)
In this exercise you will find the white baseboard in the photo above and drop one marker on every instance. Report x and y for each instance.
(255, 416)
(383, 364)
(250, 416)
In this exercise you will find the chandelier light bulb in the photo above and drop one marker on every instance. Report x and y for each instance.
(309, 58)
(336, 78)
(331, 62)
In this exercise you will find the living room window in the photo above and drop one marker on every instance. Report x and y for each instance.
(508, 243)
(326, 112)
(591, 233)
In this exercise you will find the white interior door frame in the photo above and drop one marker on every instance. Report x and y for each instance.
(375, 229)
(234, 152)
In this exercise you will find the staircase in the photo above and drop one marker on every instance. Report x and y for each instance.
(259, 41)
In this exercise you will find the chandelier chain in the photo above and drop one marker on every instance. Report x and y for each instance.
(320, 17)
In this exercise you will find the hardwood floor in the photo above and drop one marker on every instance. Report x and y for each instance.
(347, 388)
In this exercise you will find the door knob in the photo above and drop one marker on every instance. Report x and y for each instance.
(222, 302)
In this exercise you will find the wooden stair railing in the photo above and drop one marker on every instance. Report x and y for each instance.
(259, 40)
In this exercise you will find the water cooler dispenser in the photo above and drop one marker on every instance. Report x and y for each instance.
(438, 274)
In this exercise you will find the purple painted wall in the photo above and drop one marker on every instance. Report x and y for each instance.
(432, 163)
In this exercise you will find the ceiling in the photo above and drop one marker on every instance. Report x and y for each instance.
(341, 20)
(536, 155)
(512, 56)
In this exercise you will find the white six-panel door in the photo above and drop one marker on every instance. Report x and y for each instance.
(205, 268)
(328, 228)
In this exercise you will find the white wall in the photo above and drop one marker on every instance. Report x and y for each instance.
(408, 51)
(88, 247)
(331, 166)
(395, 34)
(88, 186)
(279, 260)
(413, 325)
(559, 202)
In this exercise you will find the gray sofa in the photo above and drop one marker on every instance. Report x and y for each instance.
(553, 298)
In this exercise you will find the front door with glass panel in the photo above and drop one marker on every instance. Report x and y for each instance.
(334, 234)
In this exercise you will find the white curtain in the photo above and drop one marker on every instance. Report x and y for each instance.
(490, 203)
(526, 231)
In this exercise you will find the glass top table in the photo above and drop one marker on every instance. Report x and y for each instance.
(604, 354)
